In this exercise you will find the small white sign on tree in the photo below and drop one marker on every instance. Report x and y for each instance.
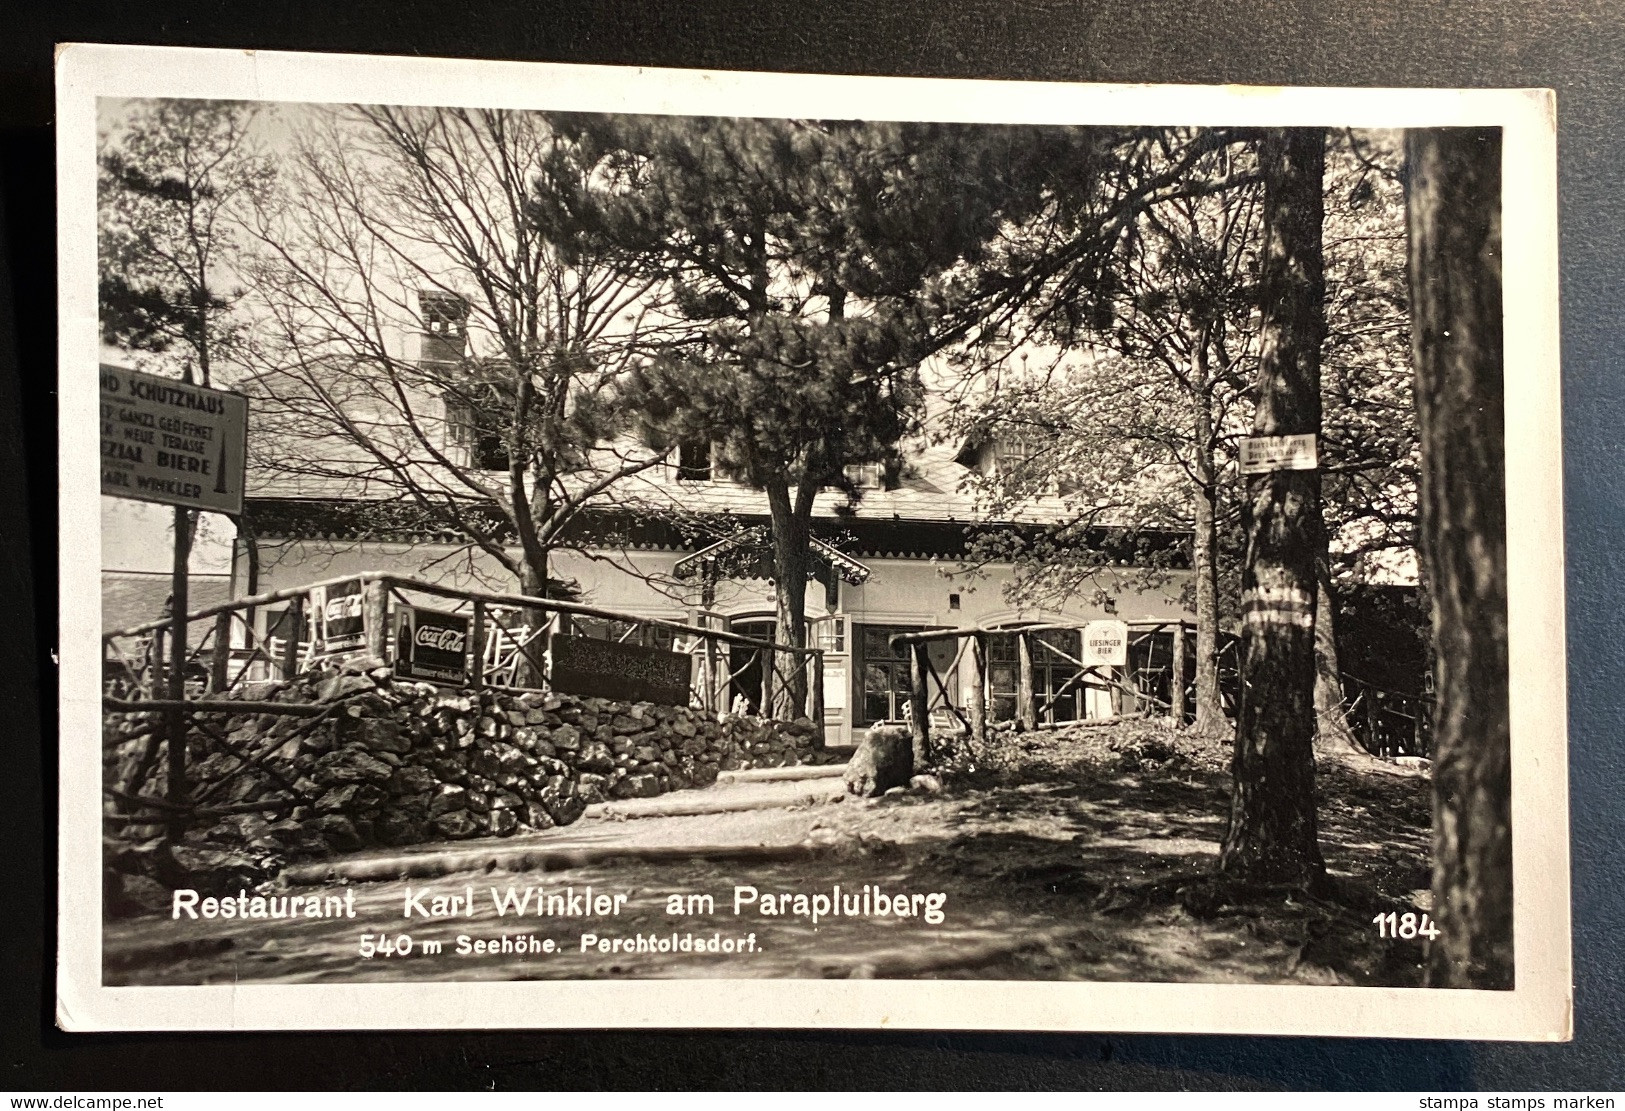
(1105, 644)
(1263, 454)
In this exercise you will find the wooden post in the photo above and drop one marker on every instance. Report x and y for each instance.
(713, 685)
(295, 630)
(919, 701)
(767, 660)
(175, 718)
(1377, 747)
(978, 688)
(155, 663)
(476, 666)
(1176, 686)
(815, 689)
(1026, 703)
(375, 618)
(220, 656)
(544, 645)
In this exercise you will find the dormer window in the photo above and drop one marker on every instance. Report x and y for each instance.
(865, 476)
(1013, 451)
(694, 461)
(474, 432)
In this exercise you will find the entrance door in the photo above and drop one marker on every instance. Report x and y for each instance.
(747, 665)
(828, 632)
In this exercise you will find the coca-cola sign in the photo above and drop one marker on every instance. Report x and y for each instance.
(442, 638)
(432, 645)
(337, 615)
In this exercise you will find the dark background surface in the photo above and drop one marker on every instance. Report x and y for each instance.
(1576, 47)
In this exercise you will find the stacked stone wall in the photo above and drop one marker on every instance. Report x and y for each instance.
(394, 763)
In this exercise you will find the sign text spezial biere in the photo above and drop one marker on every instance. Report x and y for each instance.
(170, 442)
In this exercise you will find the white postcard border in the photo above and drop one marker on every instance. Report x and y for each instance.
(1540, 1008)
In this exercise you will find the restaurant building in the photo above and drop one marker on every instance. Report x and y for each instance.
(898, 559)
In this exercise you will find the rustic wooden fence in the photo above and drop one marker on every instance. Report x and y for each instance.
(235, 644)
(1157, 682)
(228, 647)
(1135, 688)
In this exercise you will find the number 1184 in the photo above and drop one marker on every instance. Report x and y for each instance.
(1408, 925)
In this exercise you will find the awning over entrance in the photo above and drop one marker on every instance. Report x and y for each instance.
(746, 554)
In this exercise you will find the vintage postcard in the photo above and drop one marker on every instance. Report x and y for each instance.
(589, 547)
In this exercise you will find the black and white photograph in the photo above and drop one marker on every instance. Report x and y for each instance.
(582, 547)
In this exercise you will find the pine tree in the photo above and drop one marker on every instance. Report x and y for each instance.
(1272, 834)
(1454, 207)
(809, 261)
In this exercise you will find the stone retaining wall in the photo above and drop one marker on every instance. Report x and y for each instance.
(399, 763)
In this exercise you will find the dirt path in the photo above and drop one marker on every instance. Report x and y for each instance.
(1071, 858)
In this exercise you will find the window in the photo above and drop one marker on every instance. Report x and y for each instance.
(884, 674)
(475, 421)
(831, 632)
(865, 476)
(694, 461)
(1051, 672)
(1012, 451)
(623, 632)
(1001, 676)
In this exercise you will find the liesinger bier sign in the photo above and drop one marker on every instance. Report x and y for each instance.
(166, 441)
(1105, 644)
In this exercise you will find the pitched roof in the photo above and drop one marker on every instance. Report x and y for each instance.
(133, 597)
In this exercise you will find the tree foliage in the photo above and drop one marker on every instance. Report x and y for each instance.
(1146, 389)
(1144, 380)
(173, 183)
(504, 421)
(810, 263)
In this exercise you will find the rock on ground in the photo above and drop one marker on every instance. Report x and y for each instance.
(884, 759)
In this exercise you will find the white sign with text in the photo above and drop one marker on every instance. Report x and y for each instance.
(1263, 454)
(1105, 644)
(167, 441)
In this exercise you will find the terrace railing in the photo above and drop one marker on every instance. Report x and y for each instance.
(1388, 723)
(1147, 684)
(1157, 681)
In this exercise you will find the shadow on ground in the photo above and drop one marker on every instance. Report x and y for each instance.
(1071, 856)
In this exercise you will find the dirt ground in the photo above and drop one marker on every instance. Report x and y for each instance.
(1081, 855)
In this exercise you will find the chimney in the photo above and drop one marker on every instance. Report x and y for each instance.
(445, 327)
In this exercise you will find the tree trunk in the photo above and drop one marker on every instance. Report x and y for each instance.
(1205, 546)
(1209, 704)
(1454, 221)
(1272, 836)
(1333, 737)
(533, 660)
(791, 536)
